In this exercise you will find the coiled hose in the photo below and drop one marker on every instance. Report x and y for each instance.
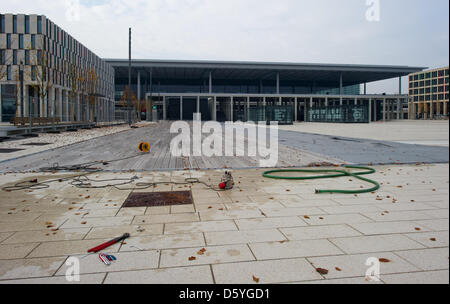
(335, 174)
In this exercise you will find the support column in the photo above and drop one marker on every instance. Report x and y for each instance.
(370, 110)
(384, 109)
(278, 83)
(295, 109)
(248, 109)
(210, 83)
(365, 88)
(198, 104)
(60, 105)
(164, 108)
(305, 107)
(431, 110)
(279, 101)
(356, 101)
(398, 108)
(181, 107)
(445, 108)
(231, 109)
(66, 95)
(139, 86)
(264, 107)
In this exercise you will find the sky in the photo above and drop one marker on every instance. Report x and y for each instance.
(397, 32)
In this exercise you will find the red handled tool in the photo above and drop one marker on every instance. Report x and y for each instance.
(110, 243)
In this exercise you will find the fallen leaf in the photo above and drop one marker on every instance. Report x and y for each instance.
(417, 229)
(83, 223)
(322, 271)
(306, 217)
(433, 239)
(383, 260)
(338, 269)
(255, 279)
(192, 258)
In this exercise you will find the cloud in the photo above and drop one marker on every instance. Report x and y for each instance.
(410, 32)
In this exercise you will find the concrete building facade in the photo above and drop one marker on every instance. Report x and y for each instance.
(429, 92)
(231, 91)
(62, 78)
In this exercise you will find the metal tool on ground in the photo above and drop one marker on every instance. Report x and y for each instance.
(227, 181)
(110, 243)
(334, 174)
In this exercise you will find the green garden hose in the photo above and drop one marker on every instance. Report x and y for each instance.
(336, 173)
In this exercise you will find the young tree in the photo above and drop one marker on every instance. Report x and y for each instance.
(128, 95)
(41, 78)
(74, 82)
(92, 83)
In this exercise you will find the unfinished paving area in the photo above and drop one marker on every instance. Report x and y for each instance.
(420, 132)
(295, 149)
(266, 231)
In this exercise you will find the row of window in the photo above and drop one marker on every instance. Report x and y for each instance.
(26, 25)
(59, 42)
(427, 83)
(434, 97)
(440, 89)
(21, 45)
(428, 75)
(57, 77)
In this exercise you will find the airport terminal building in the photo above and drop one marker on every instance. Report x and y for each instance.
(56, 70)
(260, 91)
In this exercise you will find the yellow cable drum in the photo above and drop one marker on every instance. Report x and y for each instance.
(144, 147)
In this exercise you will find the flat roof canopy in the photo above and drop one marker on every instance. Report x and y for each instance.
(352, 74)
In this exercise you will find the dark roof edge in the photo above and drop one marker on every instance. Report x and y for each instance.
(262, 64)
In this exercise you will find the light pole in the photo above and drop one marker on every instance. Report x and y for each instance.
(129, 77)
(22, 108)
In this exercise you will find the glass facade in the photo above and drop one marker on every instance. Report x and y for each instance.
(8, 93)
(341, 114)
(231, 86)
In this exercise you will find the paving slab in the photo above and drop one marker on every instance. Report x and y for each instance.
(334, 219)
(294, 249)
(22, 237)
(375, 243)
(125, 261)
(67, 248)
(84, 279)
(16, 251)
(268, 223)
(243, 237)
(182, 275)
(388, 227)
(427, 259)
(133, 230)
(355, 265)
(29, 268)
(163, 242)
(431, 239)
(265, 272)
(212, 255)
(209, 226)
(426, 277)
(166, 218)
(318, 232)
(436, 224)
